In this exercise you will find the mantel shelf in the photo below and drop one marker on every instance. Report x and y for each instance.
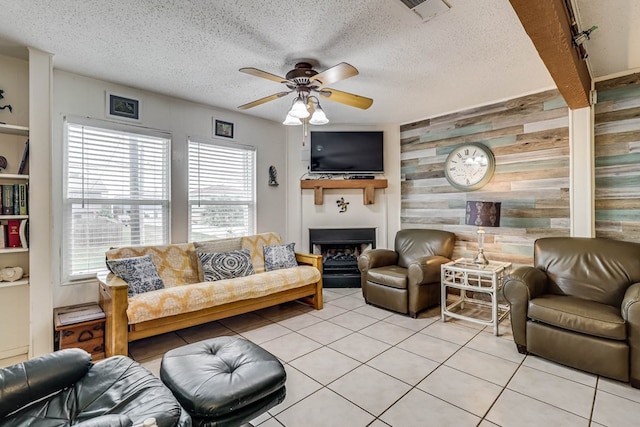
(368, 186)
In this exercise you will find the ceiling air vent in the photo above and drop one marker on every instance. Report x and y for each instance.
(426, 9)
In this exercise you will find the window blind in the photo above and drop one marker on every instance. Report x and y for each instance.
(116, 193)
(222, 197)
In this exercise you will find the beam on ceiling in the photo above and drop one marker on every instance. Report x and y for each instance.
(547, 24)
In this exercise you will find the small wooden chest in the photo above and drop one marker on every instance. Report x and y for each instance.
(80, 326)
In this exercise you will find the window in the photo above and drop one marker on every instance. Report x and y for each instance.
(222, 197)
(116, 193)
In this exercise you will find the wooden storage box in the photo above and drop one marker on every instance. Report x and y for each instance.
(81, 326)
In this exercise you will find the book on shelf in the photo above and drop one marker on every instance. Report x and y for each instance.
(13, 233)
(16, 199)
(25, 156)
(3, 237)
(23, 197)
(7, 199)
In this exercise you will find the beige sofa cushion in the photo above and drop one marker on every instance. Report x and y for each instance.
(183, 299)
(177, 264)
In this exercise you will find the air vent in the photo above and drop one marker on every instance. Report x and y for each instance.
(426, 9)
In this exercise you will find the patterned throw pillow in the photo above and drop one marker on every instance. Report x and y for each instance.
(279, 256)
(226, 265)
(139, 272)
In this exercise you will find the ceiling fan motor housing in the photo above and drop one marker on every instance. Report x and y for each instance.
(302, 73)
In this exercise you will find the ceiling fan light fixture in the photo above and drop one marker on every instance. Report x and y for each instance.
(318, 117)
(292, 121)
(299, 109)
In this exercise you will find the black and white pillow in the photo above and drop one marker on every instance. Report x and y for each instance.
(139, 272)
(226, 265)
(279, 256)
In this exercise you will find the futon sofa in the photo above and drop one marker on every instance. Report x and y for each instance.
(187, 299)
(66, 388)
(579, 305)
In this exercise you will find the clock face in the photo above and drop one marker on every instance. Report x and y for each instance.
(469, 166)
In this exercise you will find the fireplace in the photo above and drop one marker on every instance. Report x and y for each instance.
(340, 249)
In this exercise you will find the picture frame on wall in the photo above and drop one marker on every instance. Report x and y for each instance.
(223, 129)
(122, 107)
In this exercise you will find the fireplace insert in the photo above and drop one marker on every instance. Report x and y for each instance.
(340, 249)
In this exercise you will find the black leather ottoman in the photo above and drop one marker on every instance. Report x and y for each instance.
(225, 381)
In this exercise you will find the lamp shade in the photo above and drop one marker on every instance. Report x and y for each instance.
(483, 214)
(318, 117)
(299, 110)
(292, 121)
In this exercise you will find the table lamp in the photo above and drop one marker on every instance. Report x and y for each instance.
(482, 214)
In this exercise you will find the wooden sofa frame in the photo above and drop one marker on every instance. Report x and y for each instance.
(118, 331)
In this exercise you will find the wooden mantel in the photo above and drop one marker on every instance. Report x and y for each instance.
(367, 185)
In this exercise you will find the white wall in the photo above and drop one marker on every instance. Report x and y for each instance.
(83, 96)
(384, 215)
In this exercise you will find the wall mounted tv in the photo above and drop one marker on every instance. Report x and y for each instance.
(347, 152)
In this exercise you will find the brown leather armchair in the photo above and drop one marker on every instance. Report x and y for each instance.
(406, 279)
(579, 305)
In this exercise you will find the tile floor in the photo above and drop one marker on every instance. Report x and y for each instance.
(352, 365)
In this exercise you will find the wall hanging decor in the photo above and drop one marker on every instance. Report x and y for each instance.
(273, 176)
(342, 205)
(223, 129)
(121, 107)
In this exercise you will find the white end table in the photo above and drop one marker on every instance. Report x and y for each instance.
(464, 275)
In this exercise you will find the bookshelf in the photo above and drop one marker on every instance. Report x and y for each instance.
(13, 129)
(14, 295)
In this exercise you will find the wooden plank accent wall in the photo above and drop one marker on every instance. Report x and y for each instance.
(529, 137)
(617, 158)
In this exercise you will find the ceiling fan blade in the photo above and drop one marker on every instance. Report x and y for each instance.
(263, 100)
(334, 74)
(265, 75)
(345, 98)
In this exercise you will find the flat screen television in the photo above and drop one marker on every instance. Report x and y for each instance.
(347, 152)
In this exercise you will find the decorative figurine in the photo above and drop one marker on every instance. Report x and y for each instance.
(3, 163)
(273, 176)
(11, 274)
(342, 204)
(2, 107)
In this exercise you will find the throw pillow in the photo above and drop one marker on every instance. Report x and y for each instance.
(139, 272)
(226, 265)
(256, 243)
(279, 256)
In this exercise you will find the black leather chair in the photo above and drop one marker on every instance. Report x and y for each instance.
(406, 279)
(66, 388)
(579, 305)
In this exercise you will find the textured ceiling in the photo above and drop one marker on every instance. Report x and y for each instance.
(472, 54)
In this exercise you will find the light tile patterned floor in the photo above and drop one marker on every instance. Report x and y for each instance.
(352, 365)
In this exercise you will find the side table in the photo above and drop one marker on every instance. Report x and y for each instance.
(464, 275)
(80, 326)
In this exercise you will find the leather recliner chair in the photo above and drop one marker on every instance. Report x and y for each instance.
(407, 279)
(66, 388)
(579, 305)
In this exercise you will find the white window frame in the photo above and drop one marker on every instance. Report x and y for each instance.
(237, 180)
(159, 202)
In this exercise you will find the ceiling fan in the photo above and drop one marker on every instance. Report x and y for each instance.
(304, 80)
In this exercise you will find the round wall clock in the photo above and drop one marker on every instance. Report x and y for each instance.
(469, 166)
